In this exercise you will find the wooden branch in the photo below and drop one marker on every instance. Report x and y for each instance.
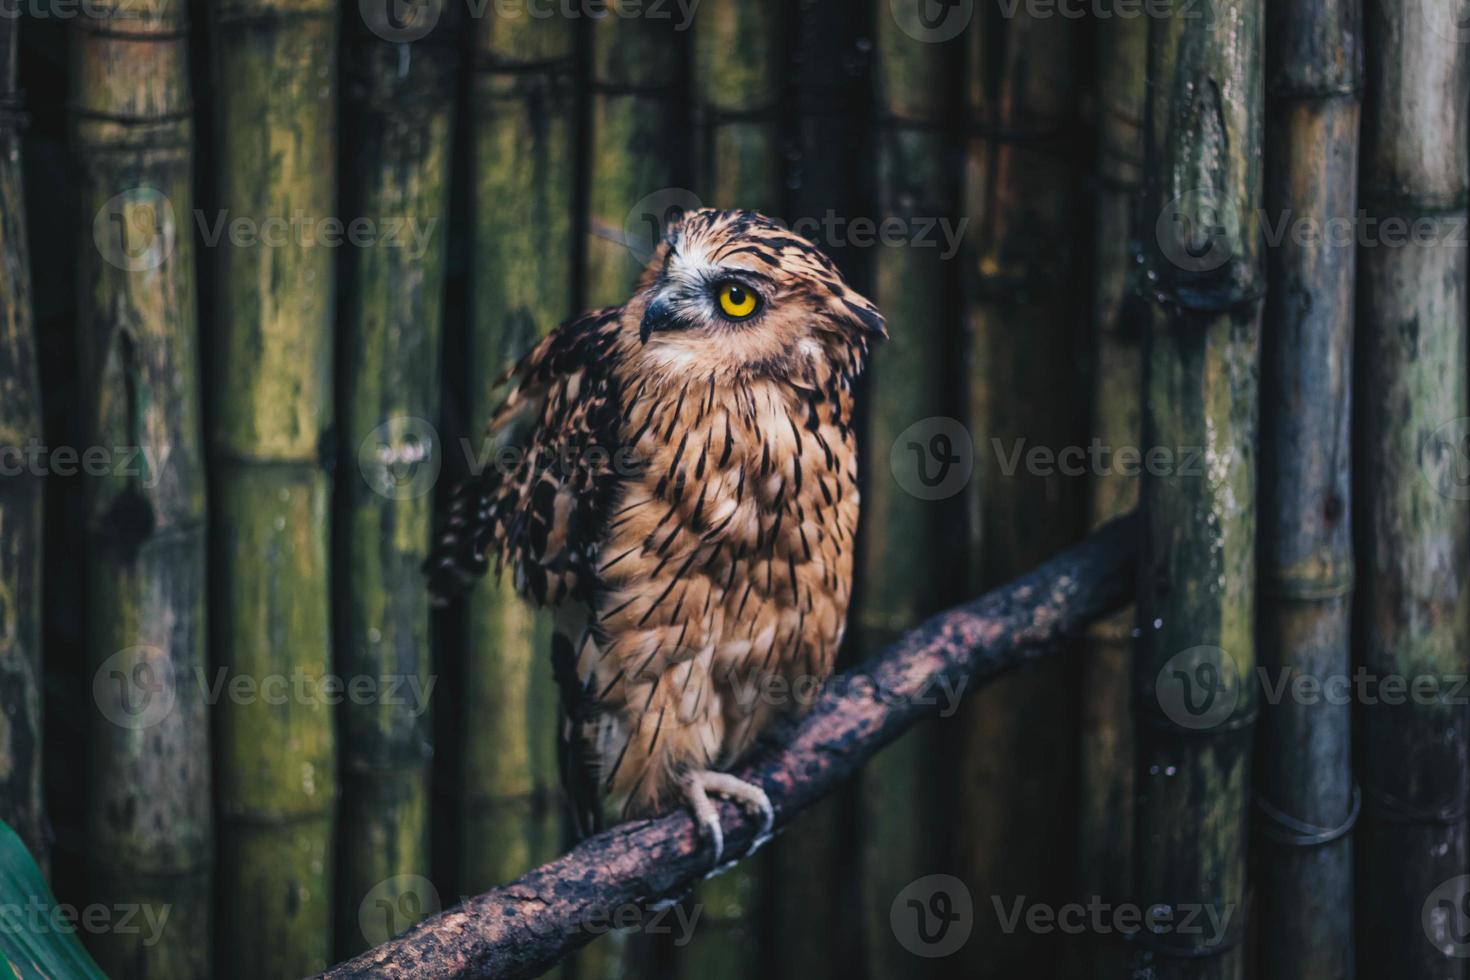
(523, 928)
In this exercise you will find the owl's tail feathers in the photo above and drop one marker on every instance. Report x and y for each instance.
(461, 551)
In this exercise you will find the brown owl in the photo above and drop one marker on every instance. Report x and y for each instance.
(680, 486)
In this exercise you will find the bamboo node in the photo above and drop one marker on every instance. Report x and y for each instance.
(1288, 831)
(1387, 808)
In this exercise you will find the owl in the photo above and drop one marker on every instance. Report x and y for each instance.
(676, 478)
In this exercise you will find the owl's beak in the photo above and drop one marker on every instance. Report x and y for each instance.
(658, 316)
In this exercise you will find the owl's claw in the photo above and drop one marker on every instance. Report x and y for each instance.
(698, 786)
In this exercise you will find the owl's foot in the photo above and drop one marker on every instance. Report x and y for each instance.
(698, 786)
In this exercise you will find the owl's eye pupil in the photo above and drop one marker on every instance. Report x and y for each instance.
(737, 296)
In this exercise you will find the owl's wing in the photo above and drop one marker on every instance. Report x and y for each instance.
(540, 502)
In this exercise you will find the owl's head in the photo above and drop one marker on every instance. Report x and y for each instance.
(735, 292)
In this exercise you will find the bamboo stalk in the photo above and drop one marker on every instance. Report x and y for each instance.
(1194, 699)
(271, 412)
(1022, 196)
(400, 128)
(738, 50)
(814, 911)
(149, 820)
(1412, 523)
(636, 144)
(522, 144)
(1105, 773)
(738, 75)
(21, 804)
(1304, 761)
(905, 395)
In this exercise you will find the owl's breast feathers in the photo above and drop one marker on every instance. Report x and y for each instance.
(706, 521)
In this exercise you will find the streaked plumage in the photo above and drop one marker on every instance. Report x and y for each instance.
(686, 501)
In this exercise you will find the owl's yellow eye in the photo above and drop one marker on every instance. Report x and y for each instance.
(736, 302)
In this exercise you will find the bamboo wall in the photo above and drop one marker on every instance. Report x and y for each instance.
(268, 256)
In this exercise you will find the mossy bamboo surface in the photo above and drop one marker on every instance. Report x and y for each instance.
(1412, 516)
(271, 406)
(1194, 695)
(1303, 760)
(814, 908)
(903, 533)
(1105, 772)
(737, 78)
(738, 49)
(522, 288)
(637, 146)
(149, 821)
(21, 805)
(400, 133)
(1017, 741)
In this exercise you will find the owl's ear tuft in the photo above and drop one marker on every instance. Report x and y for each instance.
(856, 311)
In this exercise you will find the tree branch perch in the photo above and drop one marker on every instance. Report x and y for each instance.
(523, 928)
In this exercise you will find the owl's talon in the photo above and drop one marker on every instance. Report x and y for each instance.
(697, 788)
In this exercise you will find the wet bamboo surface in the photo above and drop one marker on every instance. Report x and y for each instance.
(398, 133)
(150, 821)
(522, 145)
(1105, 754)
(271, 414)
(1412, 519)
(1024, 318)
(814, 915)
(1194, 699)
(1304, 760)
(21, 510)
(904, 530)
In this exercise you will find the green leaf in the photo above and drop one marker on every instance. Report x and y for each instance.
(36, 941)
